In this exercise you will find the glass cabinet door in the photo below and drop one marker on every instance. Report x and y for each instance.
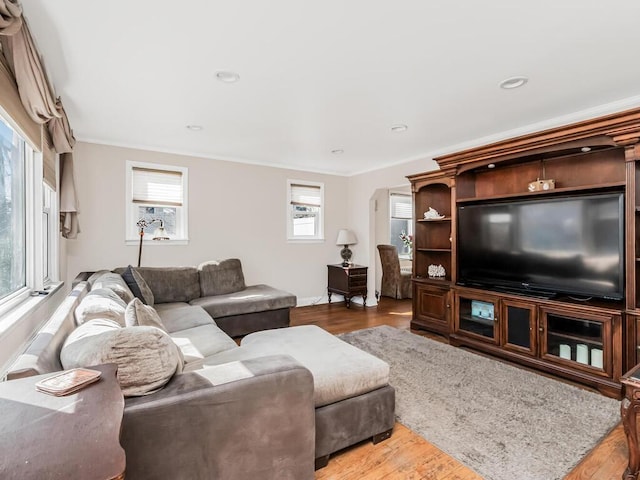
(578, 341)
(478, 317)
(519, 327)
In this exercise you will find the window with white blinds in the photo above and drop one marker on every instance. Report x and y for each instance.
(157, 192)
(400, 221)
(401, 206)
(305, 210)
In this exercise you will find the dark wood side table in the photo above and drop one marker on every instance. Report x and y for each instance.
(630, 412)
(71, 437)
(349, 281)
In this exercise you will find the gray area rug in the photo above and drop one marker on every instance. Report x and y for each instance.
(497, 419)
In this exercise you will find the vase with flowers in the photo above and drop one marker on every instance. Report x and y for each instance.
(407, 240)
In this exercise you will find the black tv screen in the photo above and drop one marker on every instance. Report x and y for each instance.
(570, 245)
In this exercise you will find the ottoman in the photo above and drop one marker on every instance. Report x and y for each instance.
(352, 395)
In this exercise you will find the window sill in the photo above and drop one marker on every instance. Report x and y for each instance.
(305, 240)
(26, 306)
(176, 241)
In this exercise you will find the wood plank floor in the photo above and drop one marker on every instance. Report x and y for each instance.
(407, 456)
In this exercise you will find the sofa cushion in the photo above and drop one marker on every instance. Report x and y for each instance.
(146, 357)
(95, 275)
(256, 298)
(339, 370)
(138, 286)
(101, 303)
(220, 277)
(172, 284)
(181, 316)
(200, 342)
(114, 282)
(137, 314)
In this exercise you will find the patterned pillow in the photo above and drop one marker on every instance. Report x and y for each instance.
(147, 357)
(138, 285)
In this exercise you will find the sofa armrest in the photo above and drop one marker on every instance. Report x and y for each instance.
(240, 420)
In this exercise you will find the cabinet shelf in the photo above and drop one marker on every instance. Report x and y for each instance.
(555, 191)
(475, 319)
(577, 338)
(443, 250)
(434, 220)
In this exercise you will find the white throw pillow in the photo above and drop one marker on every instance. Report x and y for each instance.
(101, 303)
(114, 282)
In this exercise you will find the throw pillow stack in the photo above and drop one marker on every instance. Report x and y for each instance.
(117, 326)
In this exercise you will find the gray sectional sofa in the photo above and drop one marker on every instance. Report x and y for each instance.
(274, 407)
(219, 288)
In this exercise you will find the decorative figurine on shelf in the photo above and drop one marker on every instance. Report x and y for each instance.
(436, 271)
(432, 214)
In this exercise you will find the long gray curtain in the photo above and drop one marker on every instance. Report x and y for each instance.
(23, 59)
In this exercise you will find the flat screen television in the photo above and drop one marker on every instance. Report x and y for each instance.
(569, 245)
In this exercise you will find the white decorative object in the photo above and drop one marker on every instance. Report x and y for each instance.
(565, 351)
(582, 353)
(436, 271)
(432, 214)
(596, 357)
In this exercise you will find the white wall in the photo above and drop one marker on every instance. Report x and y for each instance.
(235, 210)
(362, 215)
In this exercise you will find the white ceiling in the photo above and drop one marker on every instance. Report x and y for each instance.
(332, 74)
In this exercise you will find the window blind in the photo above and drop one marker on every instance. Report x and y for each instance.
(157, 187)
(306, 195)
(401, 206)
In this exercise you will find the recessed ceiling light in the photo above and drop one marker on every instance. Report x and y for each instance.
(399, 128)
(491, 165)
(194, 128)
(337, 151)
(585, 149)
(513, 82)
(227, 77)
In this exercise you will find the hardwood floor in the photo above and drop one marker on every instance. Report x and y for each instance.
(407, 456)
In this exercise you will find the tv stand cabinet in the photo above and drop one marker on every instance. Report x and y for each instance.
(590, 342)
(574, 341)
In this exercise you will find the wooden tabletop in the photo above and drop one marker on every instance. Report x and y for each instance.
(45, 437)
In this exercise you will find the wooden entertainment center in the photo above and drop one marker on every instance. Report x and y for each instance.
(588, 341)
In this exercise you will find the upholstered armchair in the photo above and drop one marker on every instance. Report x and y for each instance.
(394, 283)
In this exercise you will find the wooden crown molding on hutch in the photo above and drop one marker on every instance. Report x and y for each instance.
(615, 130)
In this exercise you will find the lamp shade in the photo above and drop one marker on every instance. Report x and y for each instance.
(346, 237)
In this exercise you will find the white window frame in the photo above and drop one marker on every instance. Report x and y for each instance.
(409, 219)
(319, 237)
(34, 231)
(131, 208)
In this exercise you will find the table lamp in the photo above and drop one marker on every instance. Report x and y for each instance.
(346, 238)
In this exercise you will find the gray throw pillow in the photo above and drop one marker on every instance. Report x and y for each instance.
(147, 357)
(137, 314)
(101, 303)
(218, 278)
(114, 282)
(138, 285)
